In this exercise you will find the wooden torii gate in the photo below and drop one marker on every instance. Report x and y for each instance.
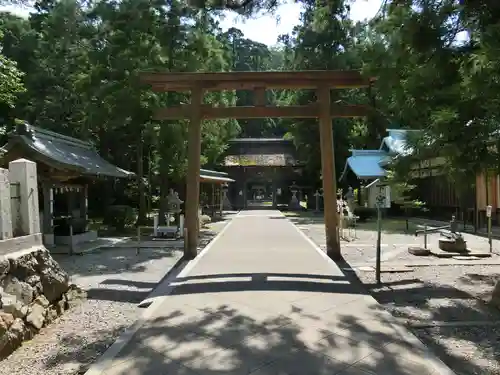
(259, 82)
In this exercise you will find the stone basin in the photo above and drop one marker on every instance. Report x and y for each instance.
(453, 246)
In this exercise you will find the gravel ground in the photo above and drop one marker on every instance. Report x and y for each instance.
(116, 281)
(433, 294)
(359, 245)
(447, 294)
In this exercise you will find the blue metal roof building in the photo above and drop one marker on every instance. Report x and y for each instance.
(368, 164)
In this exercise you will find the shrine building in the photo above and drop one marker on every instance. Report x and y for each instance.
(264, 170)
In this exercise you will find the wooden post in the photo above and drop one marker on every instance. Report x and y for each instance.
(193, 174)
(48, 213)
(221, 200)
(328, 172)
(84, 205)
(212, 205)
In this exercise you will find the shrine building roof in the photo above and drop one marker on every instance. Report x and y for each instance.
(207, 175)
(61, 152)
(366, 164)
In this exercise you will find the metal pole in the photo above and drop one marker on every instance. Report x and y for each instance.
(425, 237)
(71, 248)
(488, 215)
(379, 235)
(489, 235)
(138, 240)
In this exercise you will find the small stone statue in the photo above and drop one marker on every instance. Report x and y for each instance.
(453, 225)
(349, 197)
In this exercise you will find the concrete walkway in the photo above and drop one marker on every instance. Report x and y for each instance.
(262, 300)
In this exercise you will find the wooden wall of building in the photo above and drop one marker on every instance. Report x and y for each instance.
(484, 197)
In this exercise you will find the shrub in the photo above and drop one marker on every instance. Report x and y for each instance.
(119, 216)
(365, 213)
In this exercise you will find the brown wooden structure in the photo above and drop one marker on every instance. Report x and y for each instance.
(259, 82)
(65, 168)
(266, 164)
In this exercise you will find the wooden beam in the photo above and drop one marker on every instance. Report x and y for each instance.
(252, 80)
(290, 84)
(309, 111)
(328, 172)
(193, 175)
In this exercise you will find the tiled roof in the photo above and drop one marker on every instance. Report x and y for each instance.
(208, 175)
(64, 152)
(275, 160)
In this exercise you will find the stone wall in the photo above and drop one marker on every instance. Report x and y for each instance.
(34, 290)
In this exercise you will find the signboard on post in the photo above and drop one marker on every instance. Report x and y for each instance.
(488, 211)
(387, 200)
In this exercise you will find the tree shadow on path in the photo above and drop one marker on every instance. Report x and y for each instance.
(205, 327)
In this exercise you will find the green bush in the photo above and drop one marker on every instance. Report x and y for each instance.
(119, 216)
(365, 213)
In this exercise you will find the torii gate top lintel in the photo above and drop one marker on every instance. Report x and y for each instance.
(341, 79)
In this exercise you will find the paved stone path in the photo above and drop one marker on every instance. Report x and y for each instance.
(262, 300)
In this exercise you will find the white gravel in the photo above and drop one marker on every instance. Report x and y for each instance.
(116, 281)
(433, 294)
(470, 351)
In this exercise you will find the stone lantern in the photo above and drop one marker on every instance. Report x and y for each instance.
(173, 211)
(349, 197)
(318, 196)
(294, 201)
(174, 202)
(226, 204)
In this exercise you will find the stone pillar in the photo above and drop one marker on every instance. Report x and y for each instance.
(48, 214)
(23, 171)
(5, 205)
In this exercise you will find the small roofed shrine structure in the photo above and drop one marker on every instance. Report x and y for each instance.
(366, 168)
(264, 170)
(197, 84)
(65, 167)
(214, 186)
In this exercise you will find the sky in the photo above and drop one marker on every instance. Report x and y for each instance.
(265, 29)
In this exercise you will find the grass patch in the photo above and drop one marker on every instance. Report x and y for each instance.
(389, 226)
